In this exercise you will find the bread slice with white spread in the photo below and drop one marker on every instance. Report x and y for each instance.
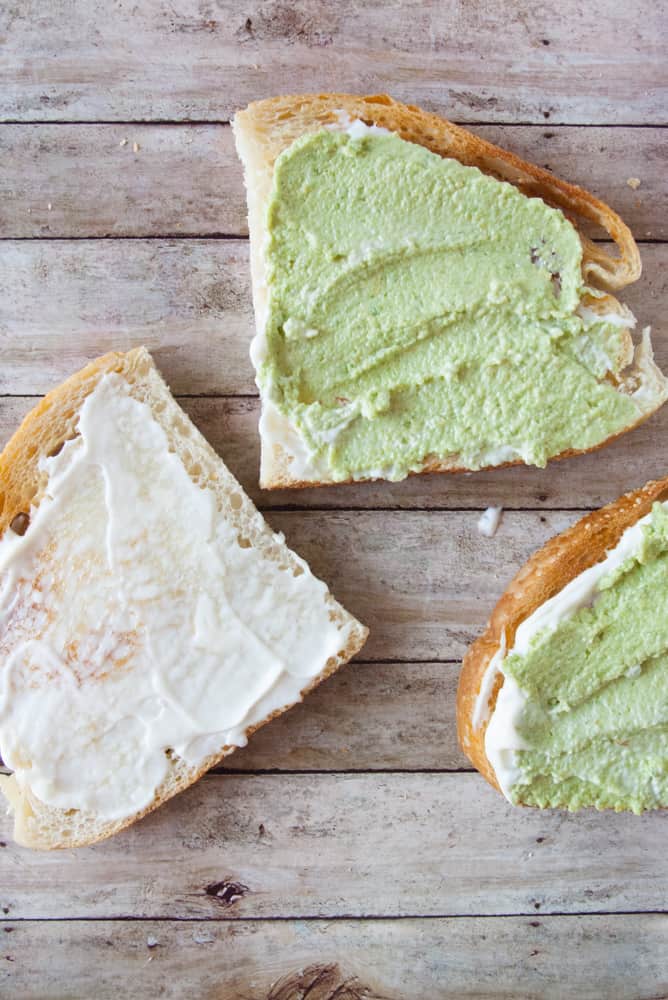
(150, 620)
(563, 700)
(426, 301)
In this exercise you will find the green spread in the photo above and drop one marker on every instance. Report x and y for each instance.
(419, 308)
(596, 719)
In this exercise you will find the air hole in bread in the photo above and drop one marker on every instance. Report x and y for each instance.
(297, 571)
(244, 543)
(236, 501)
(19, 523)
(556, 283)
(56, 450)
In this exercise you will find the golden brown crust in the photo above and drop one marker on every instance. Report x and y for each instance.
(52, 422)
(265, 128)
(545, 574)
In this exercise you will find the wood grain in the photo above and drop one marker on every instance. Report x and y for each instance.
(66, 301)
(369, 716)
(87, 181)
(621, 956)
(431, 605)
(355, 845)
(86, 61)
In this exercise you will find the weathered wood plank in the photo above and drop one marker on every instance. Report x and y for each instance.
(621, 956)
(84, 61)
(366, 717)
(346, 845)
(86, 180)
(65, 301)
(585, 482)
(431, 604)
(89, 180)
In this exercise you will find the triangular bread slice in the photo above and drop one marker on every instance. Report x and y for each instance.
(558, 588)
(266, 128)
(150, 620)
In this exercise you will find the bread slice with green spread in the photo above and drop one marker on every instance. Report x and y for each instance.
(563, 701)
(426, 301)
(150, 620)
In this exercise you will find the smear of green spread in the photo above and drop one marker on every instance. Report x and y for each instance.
(597, 715)
(420, 308)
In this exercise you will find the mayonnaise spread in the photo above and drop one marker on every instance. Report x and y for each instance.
(136, 624)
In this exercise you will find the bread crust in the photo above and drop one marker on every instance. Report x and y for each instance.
(52, 422)
(265, 128)
(273, 125)
(545, 574)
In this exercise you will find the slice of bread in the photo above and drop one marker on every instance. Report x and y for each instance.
(26, 487)
(544, 576)
(266, 128)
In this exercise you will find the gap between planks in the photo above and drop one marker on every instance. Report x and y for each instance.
(352, 917)
(214, 237)
(226, 123)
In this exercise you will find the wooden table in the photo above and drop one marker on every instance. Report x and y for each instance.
(350, 843)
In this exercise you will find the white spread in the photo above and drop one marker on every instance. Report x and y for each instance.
(502, 737)
(277, 430)
(355, 127)
(489, 521)
(590, 316)
(499, 455)
(135, 621)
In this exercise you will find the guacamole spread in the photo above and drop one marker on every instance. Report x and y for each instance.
(419, 309)
(595, 721)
